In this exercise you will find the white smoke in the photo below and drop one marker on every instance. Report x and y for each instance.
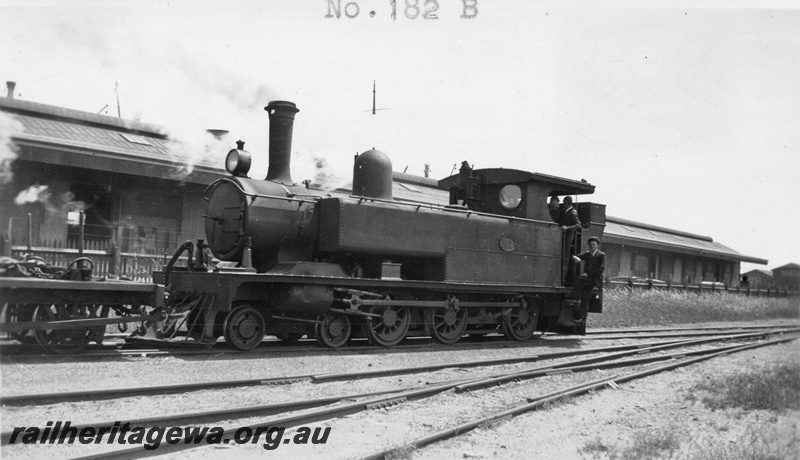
(61, 204)
(192, 147)
(33, 194)
(323, 174)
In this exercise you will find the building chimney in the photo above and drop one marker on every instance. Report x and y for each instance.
(11, 85)
(281, 123)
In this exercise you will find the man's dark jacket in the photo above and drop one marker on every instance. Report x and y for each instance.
(594, 265)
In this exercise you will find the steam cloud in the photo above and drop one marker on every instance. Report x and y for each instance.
(42, 194)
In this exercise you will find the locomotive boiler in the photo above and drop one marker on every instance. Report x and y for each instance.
(299, 261)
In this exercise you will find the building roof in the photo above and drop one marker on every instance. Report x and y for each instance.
(787, 266)
(759, 271)
(636, 234)
(68, 137)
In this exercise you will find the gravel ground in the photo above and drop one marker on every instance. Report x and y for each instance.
(598, 424)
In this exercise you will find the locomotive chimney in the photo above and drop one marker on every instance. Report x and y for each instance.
(11, 85)
(281, 122)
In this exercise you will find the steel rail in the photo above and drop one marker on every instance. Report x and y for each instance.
(196, 418)
(469, 385)
(194, 349)
(537, 402)
(349, 409)
(688, 328)
(588, 364)
(284, 422)
(95, 395)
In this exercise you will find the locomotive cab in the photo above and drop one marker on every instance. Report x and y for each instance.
(524, 195)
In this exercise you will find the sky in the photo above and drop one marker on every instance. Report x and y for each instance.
(682, 114)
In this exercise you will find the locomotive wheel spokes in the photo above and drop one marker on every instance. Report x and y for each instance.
(62, 341)
(391, 328)
(244, 328)
(446, 325)
(334, 330)
(520, 323)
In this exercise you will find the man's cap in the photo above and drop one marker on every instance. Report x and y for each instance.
(594, 238)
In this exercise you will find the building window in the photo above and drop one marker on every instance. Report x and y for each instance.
(641, 266)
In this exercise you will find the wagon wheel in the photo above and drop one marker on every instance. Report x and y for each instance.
(78, 260)
(334, 330)
(63, 341)
(446, 326)
(391, 328)
(244, 328)
(20, 313)
(520, 323)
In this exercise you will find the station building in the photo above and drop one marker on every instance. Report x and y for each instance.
(136, 192)
(673, 256)
(140, 194)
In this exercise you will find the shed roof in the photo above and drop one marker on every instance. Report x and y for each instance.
(759, 271)
(636, 234)
(85, 140)
(787, 267)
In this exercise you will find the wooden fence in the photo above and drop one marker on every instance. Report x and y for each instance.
(703, 287)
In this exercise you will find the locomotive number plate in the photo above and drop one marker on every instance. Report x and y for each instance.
(507, 244)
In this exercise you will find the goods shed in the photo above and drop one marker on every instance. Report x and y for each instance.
(673, 256)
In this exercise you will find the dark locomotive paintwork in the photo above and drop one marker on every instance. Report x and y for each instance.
(331, 265)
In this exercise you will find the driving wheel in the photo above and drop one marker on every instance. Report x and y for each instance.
(446, 325)
(333, 330)
(520, 323)
(391, 328)
(244, 328)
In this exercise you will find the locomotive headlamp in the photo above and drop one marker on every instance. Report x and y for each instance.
(510, 196)
(238, 161)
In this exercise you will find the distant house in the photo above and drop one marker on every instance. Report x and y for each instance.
(787, 277)
(758, 279)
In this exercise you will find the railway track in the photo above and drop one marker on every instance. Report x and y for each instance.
(618, 350)
(339, 406)
(151, 349)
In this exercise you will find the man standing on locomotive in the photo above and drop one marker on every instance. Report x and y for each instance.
(593, 268)
(570, 223)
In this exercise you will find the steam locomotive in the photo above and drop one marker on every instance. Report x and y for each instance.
(297, 261)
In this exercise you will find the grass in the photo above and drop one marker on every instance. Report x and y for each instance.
(652, 443)
(774, 388)
(622, 307)
(756, 444)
